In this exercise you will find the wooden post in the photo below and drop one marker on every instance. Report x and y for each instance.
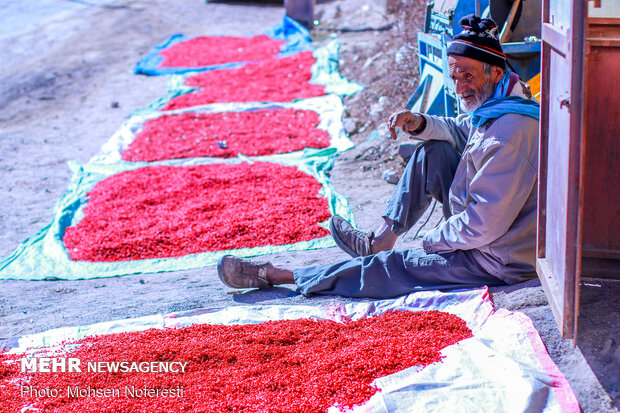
(301, 10)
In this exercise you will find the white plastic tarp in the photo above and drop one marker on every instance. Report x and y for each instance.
(504, 367)
(328, 107)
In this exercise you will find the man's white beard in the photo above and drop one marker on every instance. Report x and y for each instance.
(479, 99)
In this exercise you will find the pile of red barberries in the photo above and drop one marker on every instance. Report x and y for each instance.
(227, 134)
(287, 366)
(172, 211)
(273, 80)
(212, 50)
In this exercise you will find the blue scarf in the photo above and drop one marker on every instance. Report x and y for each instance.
(499, 104)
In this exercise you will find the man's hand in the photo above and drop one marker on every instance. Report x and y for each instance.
(404, 119)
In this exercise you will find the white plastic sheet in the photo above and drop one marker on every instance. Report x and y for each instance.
(504, 367)
(328, 107)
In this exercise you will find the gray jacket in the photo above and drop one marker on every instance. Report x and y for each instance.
(493, 195)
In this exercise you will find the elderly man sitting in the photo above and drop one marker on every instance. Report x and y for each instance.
(481, 165)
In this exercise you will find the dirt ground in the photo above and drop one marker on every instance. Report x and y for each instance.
(66, 84)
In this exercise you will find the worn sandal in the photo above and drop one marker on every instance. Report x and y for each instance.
(354, 242)
(238, 273)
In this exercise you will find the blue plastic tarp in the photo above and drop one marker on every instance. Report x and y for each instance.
(296, 36)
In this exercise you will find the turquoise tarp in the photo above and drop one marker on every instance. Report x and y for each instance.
(43, 256)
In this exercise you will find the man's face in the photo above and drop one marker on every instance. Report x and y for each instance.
(473, 85)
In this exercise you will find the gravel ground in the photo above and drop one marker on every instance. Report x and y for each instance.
(66, 85)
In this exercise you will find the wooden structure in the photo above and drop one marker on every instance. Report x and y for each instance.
(579, 180)
(301, 10)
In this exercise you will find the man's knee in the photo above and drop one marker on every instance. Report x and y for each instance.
(438, 151)
(438, 159)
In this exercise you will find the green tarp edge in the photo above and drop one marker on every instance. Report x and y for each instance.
(43, 255)
(324, 72)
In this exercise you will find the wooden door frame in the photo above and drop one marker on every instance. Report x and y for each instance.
(572, 46)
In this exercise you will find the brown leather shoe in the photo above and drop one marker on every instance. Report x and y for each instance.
(238, 273)
(354, 242)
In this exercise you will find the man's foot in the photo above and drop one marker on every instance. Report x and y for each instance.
(354, 242)
(238, 273)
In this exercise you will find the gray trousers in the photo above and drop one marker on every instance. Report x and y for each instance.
(428, 175)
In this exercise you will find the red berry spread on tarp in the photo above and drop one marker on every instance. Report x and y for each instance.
(227, 134)
(172, 211)
(212, 50)
(287, 366)
(274, 80)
